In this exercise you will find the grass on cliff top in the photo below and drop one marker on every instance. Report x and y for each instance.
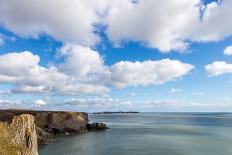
(7, 147)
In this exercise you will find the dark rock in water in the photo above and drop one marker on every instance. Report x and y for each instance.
(96, 126)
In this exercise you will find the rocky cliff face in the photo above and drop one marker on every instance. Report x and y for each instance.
(62, 122)
(18, 137)
(52, 121)
(49, 123)
(21, 130)
(24, 130)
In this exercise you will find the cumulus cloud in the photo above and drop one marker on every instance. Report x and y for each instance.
(39, 103)
(218, 68)
(228, 50)
(166, 28)
(73, 22)
(13, 64)
(29, 77)
(162, 27)
(83, 71)
(84, 63)
(216, 23)
(145, 73)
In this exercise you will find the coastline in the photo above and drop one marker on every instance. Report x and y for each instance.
(46, 125)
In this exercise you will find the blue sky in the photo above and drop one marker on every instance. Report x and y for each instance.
(116, 56)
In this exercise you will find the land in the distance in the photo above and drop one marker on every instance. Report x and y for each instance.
(115, 112)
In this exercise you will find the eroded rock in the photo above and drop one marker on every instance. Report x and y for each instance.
(96, 126)
(18, 137)
(49, 123)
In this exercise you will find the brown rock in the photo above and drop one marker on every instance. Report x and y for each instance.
(19, 137)
(96, 126)
(51, 122)
(43, 137)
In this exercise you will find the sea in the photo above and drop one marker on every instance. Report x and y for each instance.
(150, 134)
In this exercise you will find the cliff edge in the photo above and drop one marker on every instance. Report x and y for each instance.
(19, 137)
(49, 123)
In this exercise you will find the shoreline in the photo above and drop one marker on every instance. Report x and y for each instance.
(45, 125)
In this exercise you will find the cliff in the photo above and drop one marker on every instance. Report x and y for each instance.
(18, 137)
(53, 121)
(49, 123)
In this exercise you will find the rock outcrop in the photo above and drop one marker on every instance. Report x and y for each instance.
(18, 137)
(49, 123)
(43, 137)
(96, 126)
(61, 122)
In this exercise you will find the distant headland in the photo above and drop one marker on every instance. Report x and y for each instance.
(115, 112)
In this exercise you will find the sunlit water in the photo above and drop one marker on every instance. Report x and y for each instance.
(151, 134)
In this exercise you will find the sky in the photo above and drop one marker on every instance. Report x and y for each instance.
(110, 55)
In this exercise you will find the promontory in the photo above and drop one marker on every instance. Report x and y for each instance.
(21, 131)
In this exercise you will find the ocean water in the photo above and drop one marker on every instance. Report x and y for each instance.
(151, 134)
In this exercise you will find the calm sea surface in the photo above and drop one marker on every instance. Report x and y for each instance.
(151, 134)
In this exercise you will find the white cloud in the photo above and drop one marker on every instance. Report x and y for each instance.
(13, 64)
(64, 20)
(5, 92)
(84, 63)
(29, 77)
(131, 94)
(218, 68)
(30, 89)
(6, 102)
(160, 28)
(167, 27)
(88, 66)
(228, 50)
(83, 72)
(40, 103)
(174, 90)
(172, 25)
(165, 103)
(100, 103)
(216, 23)
(145, 73)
